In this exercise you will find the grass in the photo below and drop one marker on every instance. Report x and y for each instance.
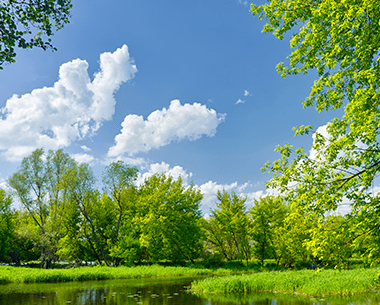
(304, 282)
(32, 275)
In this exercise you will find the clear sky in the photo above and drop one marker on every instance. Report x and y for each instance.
(186, 87)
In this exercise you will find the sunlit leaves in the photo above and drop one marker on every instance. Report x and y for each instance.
(28, 24)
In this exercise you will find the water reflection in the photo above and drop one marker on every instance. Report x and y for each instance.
(161, 291)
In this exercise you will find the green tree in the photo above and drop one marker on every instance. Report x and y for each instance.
(7, 226)
(268, 218)
(295, 236)
(30, 23)
(332, 241)
(118, 180)
(168, 219)
(37, 186)
(341, 41)
(228, 229)
(90, 215)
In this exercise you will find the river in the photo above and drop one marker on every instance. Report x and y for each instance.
(156, 291)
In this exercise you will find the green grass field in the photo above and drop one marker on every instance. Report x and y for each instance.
(34, 275)
(305, 282)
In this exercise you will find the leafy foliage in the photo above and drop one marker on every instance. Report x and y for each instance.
(37, 186)
(7, 226)
(268, 217)
(168, 219)
(30, 23)
(229, 227)
(341, 41)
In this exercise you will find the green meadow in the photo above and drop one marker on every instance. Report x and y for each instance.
(33, 275)
(303, 282)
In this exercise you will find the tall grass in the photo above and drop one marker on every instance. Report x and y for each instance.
(31, 275)
(306, 282)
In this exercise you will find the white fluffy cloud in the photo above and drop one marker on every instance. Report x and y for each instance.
(175, 172)
(239, 101)
(209, 191)
(3, 184)
(83, 158)
(164, 126)
(72, 109)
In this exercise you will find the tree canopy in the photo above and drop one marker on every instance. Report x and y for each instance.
(28, 24)
(341, 41)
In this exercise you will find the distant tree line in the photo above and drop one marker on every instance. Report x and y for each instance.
(64, 217)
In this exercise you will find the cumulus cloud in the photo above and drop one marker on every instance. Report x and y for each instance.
(175, 172)
(322, 130)
(164, 126)
(83, 158)
(239, 101)
(209, 191)
(246, 93)
(3, 184)
(73, 108)
(243, 186)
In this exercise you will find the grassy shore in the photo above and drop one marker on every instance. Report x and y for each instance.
(32, 275)
(304, 282)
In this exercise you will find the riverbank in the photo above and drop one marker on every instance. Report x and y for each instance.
(32, 275)
(303, 282)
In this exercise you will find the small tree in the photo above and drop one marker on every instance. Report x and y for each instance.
(36, 184)
(228, 229)
(268, 216)
(168, 219)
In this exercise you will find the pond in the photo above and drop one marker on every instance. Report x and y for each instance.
(168, 291)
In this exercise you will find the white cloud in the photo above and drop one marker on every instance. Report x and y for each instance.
(54, 117)
(209, 191)
(175, 172)
(85, 148)
(323, 131)
(243, 186)
(83, 158)
(3, 185)
(239, 101)
(130, 161)
(164, 126)
(246, 93)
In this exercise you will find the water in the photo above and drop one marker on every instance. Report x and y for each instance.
(168, 291)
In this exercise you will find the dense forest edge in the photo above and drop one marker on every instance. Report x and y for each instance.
(64, 218)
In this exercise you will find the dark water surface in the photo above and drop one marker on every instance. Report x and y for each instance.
(168, 291)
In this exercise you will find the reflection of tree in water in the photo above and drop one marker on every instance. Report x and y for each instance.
(93, 297)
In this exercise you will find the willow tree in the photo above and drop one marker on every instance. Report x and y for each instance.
(340, 40)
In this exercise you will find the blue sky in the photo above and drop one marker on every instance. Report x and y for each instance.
(188, 88)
